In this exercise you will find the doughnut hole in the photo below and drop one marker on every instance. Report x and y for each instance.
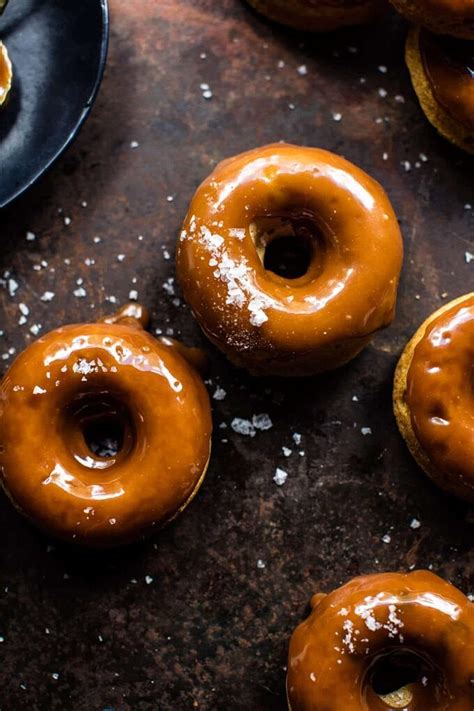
(289, 245)
(403, 680)
(98, 429)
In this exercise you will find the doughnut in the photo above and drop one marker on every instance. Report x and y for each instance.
(6, 74)
(441, 70)
(316, 16)
(115, 380)
(433, 396)
(290, 259)
(384, 642)
(445, 17)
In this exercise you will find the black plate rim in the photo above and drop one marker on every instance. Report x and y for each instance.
(104, 46)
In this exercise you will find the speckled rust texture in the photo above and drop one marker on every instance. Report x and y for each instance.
(200, 616)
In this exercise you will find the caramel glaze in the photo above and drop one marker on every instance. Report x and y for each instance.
(333, 654)
(5, 74)
(449, 67)
(440, 394)
(290, 326)
(75, 379)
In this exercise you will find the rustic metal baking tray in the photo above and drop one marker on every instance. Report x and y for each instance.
(199, 617)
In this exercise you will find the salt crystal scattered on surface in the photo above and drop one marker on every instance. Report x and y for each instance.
(30, 236)
(386, 538)
(286, 451)
(260, 564)
(415, 524)
(133, 295)
(80, 293)
(12, 286)
(243, 427)
(219, 394)
(296, 438)
(134, 144)
(302, 70)
(337, 116)
(280, 476)
(148, 579)
(366, 431)
(469, 257)
(262, 422)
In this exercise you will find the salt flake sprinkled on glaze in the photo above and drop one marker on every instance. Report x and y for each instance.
(235, 274)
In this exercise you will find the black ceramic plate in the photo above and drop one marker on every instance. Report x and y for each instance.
(58, 50)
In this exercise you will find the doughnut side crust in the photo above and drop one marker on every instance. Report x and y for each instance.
(402, 411)
(441, 16)
(313, 16)
(448, 127)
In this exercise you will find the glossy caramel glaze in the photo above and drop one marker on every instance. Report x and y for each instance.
(5, 74)
(449, 68)
(76, 379)
(335, 653)
(263, 321)
(440, 395)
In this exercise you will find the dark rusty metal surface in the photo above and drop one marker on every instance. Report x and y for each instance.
(199, 617)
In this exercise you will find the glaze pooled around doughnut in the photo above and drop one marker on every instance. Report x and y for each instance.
(320, 15)
(384, 642)
(91, 380)
(290, 259)
(433, 396)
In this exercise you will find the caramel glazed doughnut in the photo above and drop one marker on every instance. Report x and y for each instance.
(433, 396)
(442, 73)
(320, 16)
(446, 17)
(303, 202)
(110, 376)
(385, 642)
(6, 74)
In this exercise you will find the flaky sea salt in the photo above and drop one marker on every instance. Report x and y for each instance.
(262, 421)
(243, 427)
(280, 476)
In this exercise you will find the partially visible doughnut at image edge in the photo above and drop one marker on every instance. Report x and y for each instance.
(446, 17)
(290, 259)
(105, 431)
(441, 70)
(320, 16)
(6, 75)
(433, 396)
(384, 642)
